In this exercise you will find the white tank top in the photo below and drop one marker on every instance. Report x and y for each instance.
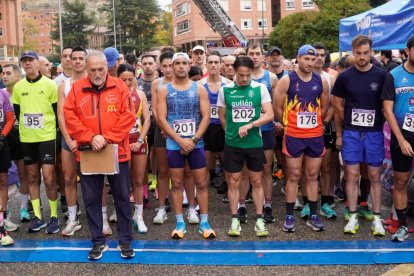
(68, 86)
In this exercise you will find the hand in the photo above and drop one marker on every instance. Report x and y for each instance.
(244, 130)
(406, 148)
(164, 135)
(98, 142)
(136, 146)
(187, 145)
(72, 145)
(338, 143)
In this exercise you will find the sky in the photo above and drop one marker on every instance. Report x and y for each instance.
(162, 3)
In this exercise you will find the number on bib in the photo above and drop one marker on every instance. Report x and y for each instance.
(137, 126)
(185, 127)
(409, 122)
(214, 112)
(363, 117)
(307, 120)
(243, 114)
(33, 121)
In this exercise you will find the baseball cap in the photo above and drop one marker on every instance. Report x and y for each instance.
(111, 55)
(180, 55)
(306, 50)
(29, 54)
(274, 49)
(199, 47)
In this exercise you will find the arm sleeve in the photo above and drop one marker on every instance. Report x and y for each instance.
(388, 90)
(9, 123)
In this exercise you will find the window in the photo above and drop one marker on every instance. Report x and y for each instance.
(1, 31)
(183, 27)
(1, 16)
(307, 4)
(245, 5)
(260, 4)
(181, 9)
(224, 4)
(290, 4)
(262, 23)
(246, 24)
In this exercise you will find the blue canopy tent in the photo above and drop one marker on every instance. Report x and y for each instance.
(389, 26)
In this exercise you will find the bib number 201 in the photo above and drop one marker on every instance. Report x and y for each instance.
(185, 127)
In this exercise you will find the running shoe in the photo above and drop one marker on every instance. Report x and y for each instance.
(179, 231)
(289, 225)
(376, 227)
(113, 218)
(192, 216)
(315, 223)
(160, 217)
(139, 224)
(268, 215)
(339, 194)
(242, 213)
(52, 226)
(153, 185)
(5, 238)
(260, 228)
(235, 228)
(97, 251)
(72, 226)
(352, 226)
(126, 251)
(327, 211)
(106, 228)
(347, 213)
(24, 215)
(298, 206)
(36, 225)
(364, 211)
(206, 230)
(249, 198)
(10, 226)
(401, 235)
(305, 213)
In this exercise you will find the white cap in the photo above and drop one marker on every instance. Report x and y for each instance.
(180, 55)
(199, 47)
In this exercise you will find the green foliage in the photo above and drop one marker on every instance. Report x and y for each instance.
(164, 34)
(29, 30)
(77, 24)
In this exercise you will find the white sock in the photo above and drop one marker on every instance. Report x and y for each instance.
(104, 215)
(138, 211)
(72, 212)
(24, 198)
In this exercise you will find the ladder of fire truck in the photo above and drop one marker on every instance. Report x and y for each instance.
(220, 22)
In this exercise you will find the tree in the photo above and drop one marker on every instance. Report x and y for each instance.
(29, 31)
(77, 24)
(164, 33)
(136, 23)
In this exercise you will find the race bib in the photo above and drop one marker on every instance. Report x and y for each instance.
(306, 120)
(242, 114)
(33, 121)
(150, 107)
(214, 112)
(409, 122)
(363, 117)
(137, 126)
(185, 127)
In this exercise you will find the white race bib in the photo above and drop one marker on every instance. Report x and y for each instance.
(137, 126)
(306, 120)
(409, 122)
(33, 121)
(214, 112)
(185, 127)
(150, 107)
(363, 117)
(243, 114)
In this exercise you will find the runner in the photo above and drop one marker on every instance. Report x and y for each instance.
(397, 94)
(198, 55)
(359, 122)
(66, 63)
(301, 102)
(184, 114)
(240, 103)
(228, 70)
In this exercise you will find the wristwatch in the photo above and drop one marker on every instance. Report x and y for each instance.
(195, 139)
(141, 140)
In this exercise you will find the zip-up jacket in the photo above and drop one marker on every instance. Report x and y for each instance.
(108, 111)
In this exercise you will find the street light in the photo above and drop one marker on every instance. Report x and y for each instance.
(262, 25)
(60, 28)
(120, 38)
(113, 9)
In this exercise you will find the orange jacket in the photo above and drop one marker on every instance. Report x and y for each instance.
(108, 112)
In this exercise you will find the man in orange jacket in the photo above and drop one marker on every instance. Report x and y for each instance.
(99, 111)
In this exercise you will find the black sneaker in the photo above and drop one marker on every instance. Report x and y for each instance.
(242, 212)
(36, 225)
(96, 252)
(222, 189)
(267, 215)
(126, 251)
(52, 226)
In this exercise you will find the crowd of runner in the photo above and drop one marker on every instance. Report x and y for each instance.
(180, 122)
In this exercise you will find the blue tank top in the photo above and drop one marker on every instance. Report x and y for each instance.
(183, 114)
(212, 97)
(265, 79)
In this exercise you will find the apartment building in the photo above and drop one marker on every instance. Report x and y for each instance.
(11, 30)
(38, 27)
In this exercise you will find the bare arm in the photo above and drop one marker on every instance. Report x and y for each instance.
(279, 96)
(324, 99)
(204, 110)
(145, 114)
(154, 88)
(338, 105)
(61, 118)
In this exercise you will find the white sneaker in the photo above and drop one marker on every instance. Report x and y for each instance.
(10, 226)
(160, 217)
(352, 226)
(298, 205)
(141, 227)
(376, 227)
(192, 216)
(113, 218)
(106, 229)
(71, 228)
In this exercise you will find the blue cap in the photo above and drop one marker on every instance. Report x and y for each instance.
(29, 54)
(306, 50)
(111, 55)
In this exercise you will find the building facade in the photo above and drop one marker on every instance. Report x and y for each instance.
(37, 26)
(11, 30)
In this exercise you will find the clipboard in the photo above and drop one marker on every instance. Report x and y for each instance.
(104, 161)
